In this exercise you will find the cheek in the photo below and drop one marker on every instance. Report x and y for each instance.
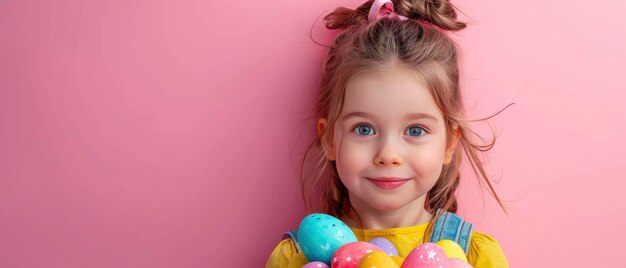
(351, 158)
(427, 160)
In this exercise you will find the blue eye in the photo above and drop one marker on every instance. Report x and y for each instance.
(363, 129)
(416, 131)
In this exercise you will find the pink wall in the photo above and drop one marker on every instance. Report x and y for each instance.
(167, 133)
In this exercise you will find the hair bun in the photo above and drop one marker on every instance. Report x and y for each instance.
(344, 17)
(439, 12)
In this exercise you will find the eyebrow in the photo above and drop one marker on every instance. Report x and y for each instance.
(408, 116)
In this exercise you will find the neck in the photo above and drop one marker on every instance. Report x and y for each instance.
(411, 214)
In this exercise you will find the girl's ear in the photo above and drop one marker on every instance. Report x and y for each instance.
(322, 124)
(456, 136)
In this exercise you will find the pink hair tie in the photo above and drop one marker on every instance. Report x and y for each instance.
(384, 8)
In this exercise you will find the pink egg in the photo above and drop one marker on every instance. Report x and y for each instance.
(458, 263)
(315, 264)
(427, 255)
(349, 255)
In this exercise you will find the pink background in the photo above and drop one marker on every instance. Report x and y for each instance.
(168, 133)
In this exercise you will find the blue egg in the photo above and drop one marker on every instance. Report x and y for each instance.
(321, 235)
(385, 245)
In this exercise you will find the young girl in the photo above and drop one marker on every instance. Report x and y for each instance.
(391, 129)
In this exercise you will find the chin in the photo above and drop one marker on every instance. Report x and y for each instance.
(387, 206)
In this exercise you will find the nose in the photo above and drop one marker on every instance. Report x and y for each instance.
(388, 155)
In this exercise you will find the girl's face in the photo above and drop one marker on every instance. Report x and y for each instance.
(389, 142)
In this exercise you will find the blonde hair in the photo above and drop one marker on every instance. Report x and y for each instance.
(364, 45)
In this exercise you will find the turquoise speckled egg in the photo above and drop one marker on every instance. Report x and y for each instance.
(321, 235)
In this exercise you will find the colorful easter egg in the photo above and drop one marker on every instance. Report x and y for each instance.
(458, 263)
(377, 259)
(452, 249)
(427, 255)
(349, 255)
(399, 260)
(385, 245)
(297, 261)
(315, 264)
(321, 235)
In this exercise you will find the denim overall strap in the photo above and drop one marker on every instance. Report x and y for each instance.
(293, 234)
(452, 227)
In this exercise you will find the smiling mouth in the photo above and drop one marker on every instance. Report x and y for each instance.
(388, 183)
(385, 179)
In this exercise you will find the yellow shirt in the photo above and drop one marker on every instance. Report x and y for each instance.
(484, 251)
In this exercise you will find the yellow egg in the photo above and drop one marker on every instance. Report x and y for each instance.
(452, 249)
(298, 261)
(377, 259)
(399, 260)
